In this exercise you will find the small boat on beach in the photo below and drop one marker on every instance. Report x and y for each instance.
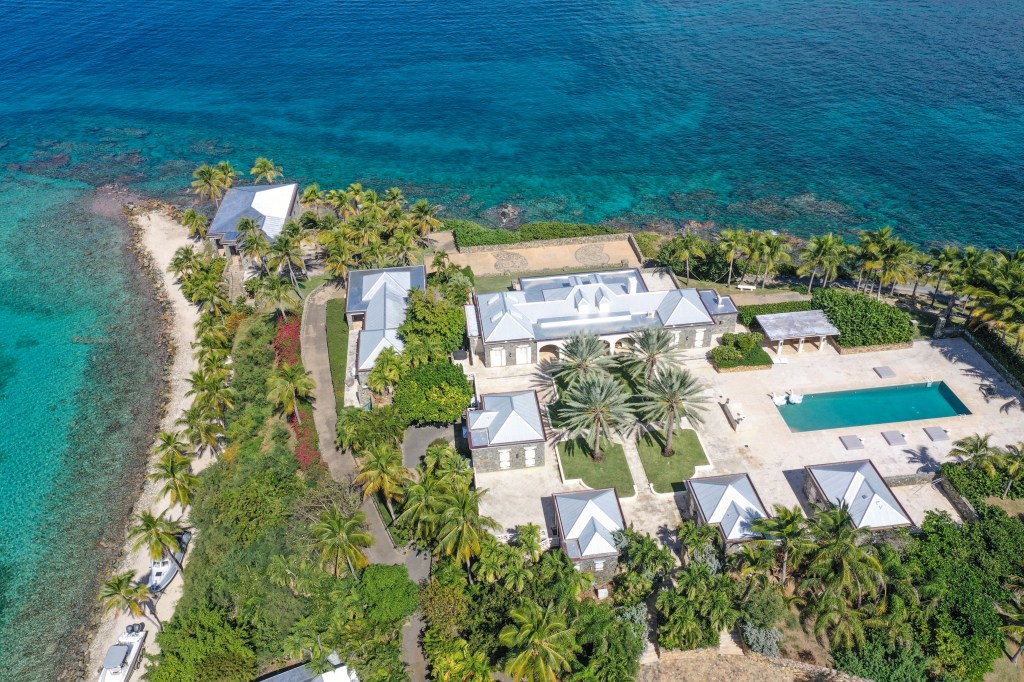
(162, 572)
(123, 657)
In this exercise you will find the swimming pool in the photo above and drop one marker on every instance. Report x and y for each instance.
(865, 406)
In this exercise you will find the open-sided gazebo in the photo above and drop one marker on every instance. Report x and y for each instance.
(799, 326)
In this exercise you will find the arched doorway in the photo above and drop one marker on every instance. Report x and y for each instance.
(622, 345)
(548, 353)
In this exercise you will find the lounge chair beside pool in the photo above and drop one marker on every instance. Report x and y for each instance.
(937, 433)
(885, 372)
(894, 437)
(852, 442)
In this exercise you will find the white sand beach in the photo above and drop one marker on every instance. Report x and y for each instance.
(162, 236)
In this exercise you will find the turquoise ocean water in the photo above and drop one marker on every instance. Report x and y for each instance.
(836, 114)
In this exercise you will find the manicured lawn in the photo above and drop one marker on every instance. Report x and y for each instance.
(668, 473)
(613, 472)
(337, 346)
(306, 286)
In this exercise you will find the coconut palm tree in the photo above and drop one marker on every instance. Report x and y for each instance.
(842, 561)
(314, 196)
(393, 198)
(196, 223)
(834, 616)
(696, 540)
(424, 502)
(337, 538)
(786, 533)
(774, 249)
(582, 356)
(387, 371)
(279, 292)
(286, 254)
(185, 262)
(517, 575)
(382, 471)
(595, 408)
(823, 254)
(288, 386)
(1012, 461)
(228, 174)
(264, 169)
(541, 644)
(171, 442)
(423, 217)
(528, 540)
(469, 666)
(978, 452)
(733, 244)
(462, 526)
(650, 350)
(1013, 625)
(686, 247)
(208, 183)
(174, 472)
(897, 266)
(256, 248)
(339, 255)
(944, 262)
(158, 535)
(671, 396)
(202, 428)
(120, 594)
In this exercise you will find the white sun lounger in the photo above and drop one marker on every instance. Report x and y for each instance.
(937, 433)
(852, 442)
(894, 437)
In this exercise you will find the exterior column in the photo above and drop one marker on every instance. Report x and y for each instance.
(800, 346)
(778, 350)
(821, 343)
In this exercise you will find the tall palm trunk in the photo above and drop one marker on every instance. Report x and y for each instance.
(687, 272)
(785, 565)
(935, 292)
(598, 455)
(669, 434)
(728, 282)
(1016, 656)
(949, 306)
(810, 285)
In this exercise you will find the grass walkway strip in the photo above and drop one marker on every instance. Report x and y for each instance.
(667, 474)
(613, 472)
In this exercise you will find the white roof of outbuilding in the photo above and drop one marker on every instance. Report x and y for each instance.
(505, 418)
(803, 324)
(382, 296)
(587, 521)
(268, 205)
(730, 502)
(867, 496)
(555, 307)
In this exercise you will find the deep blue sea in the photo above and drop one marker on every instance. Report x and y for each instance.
(795, 114)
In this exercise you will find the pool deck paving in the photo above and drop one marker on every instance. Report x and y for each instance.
(774, 456)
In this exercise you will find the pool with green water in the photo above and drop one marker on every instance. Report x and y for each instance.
(866, 406)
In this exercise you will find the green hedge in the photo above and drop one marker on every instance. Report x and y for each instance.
(740, 350)
(862, 320)
(1006, 355)
(749, 312)
(976, 485)
(469, 233)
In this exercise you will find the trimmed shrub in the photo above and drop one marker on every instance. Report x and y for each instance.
(469, 233)
(740, 350)
(862, 320)
(748, 313)
(762, 640)
(434, 393)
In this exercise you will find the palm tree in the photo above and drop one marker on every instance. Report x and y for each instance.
(528, 539)
(786, 533)
(228, 174)
(264, 169)
(670, 396)
(314, 196)
(337, 538)
(174, 471)
(823, 254)
(978, 453)
(277, 291)
(185, 262)
(393, 198)
(1013, 618)
(423, 217)
(286, 253)
(583, 356)
(424, 503)
(517, 575)
(119, 594)
(595, 408)
(732, 243)
(289, 386)
(202, 427)
(171, 442)
(541, 643)
(387, 371)
(1012, 460)
(898, 259)
(686, 247)
(157, 535)
(196, 223)
(834, 615)
(339, 253)
(774, 249)
(462, 526)
(382, 471)
(695, 540)
(469, 666)
(944, 262)
(842, 561)
(208, 183)
(651, 349)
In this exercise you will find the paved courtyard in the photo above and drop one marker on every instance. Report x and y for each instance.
(527, 258)
(774, 456)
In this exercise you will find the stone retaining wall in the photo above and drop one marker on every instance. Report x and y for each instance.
(963, 507)
(729, 370)
(870, 349)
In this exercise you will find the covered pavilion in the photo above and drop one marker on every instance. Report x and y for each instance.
(797, 327)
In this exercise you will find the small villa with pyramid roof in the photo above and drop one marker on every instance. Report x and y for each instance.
(859, 487)
(587, 522)
(729, 502)
(377, 300)
(506, 432)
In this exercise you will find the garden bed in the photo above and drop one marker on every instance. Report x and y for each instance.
(612, 472)
(667, 474)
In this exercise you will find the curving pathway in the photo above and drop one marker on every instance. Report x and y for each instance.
(341, 466)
